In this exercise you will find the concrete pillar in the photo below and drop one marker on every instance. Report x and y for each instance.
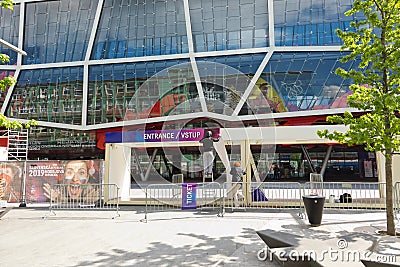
(118, 168)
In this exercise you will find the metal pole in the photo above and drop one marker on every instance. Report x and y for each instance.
(16, 49)
(325, 163)
(150, 164)
(305, 152)
(23, 200)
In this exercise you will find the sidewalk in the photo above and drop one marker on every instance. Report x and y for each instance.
(179, 238)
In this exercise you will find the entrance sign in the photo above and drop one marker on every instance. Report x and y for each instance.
(189, 192)
(184, 135)
(172, 135)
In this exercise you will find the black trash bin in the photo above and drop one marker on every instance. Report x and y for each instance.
(314, 208)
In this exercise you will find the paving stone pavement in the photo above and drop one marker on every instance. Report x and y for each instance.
(174, 238)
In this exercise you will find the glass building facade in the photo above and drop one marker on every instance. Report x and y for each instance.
(93, 65)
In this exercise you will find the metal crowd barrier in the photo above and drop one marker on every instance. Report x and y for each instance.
(264, 195)
(186, 196)
(260, 195)
(84, 197)
(349, 195)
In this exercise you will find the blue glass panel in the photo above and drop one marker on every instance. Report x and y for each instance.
(173, 45)
(58, 31)
(221, 40)
(246, 64)
(226, 78)
(9, 32)
(111, 48)
(335, 26)
(149, 47)
(300, 35)
(234, 24)
(314, 35)
(184, 46)
(247, 39)
(157, 46)
(136, 90)
(199, 42)
(99, 49)
(289, 35)
(305, 81)
(321, 33)
(234, 40)
(148, 27)
(260, 38)
(320, 18)
(121, 49)
(131, 48)
(53, 95)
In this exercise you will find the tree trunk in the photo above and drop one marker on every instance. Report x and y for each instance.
(391, 228)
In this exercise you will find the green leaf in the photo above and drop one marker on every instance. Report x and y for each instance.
(4, 58)
(8, 4)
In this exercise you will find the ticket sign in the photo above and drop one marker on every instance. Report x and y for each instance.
(189, 192)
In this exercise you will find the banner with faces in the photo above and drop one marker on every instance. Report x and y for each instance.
(39, 176)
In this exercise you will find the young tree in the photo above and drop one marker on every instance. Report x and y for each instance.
(9, 81)
(375, 41)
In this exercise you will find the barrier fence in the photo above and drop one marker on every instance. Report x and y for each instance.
(27, 179)
(342, 195)
(262, 195)
(256, 195)
(186, 196)
(84, 197)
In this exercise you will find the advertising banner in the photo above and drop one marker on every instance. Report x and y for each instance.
(189, 192)
(37, 175)
(41, 175)
(11, 181)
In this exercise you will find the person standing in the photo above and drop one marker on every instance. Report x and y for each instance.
(277, 171)
(237, 178)
(208, 152)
